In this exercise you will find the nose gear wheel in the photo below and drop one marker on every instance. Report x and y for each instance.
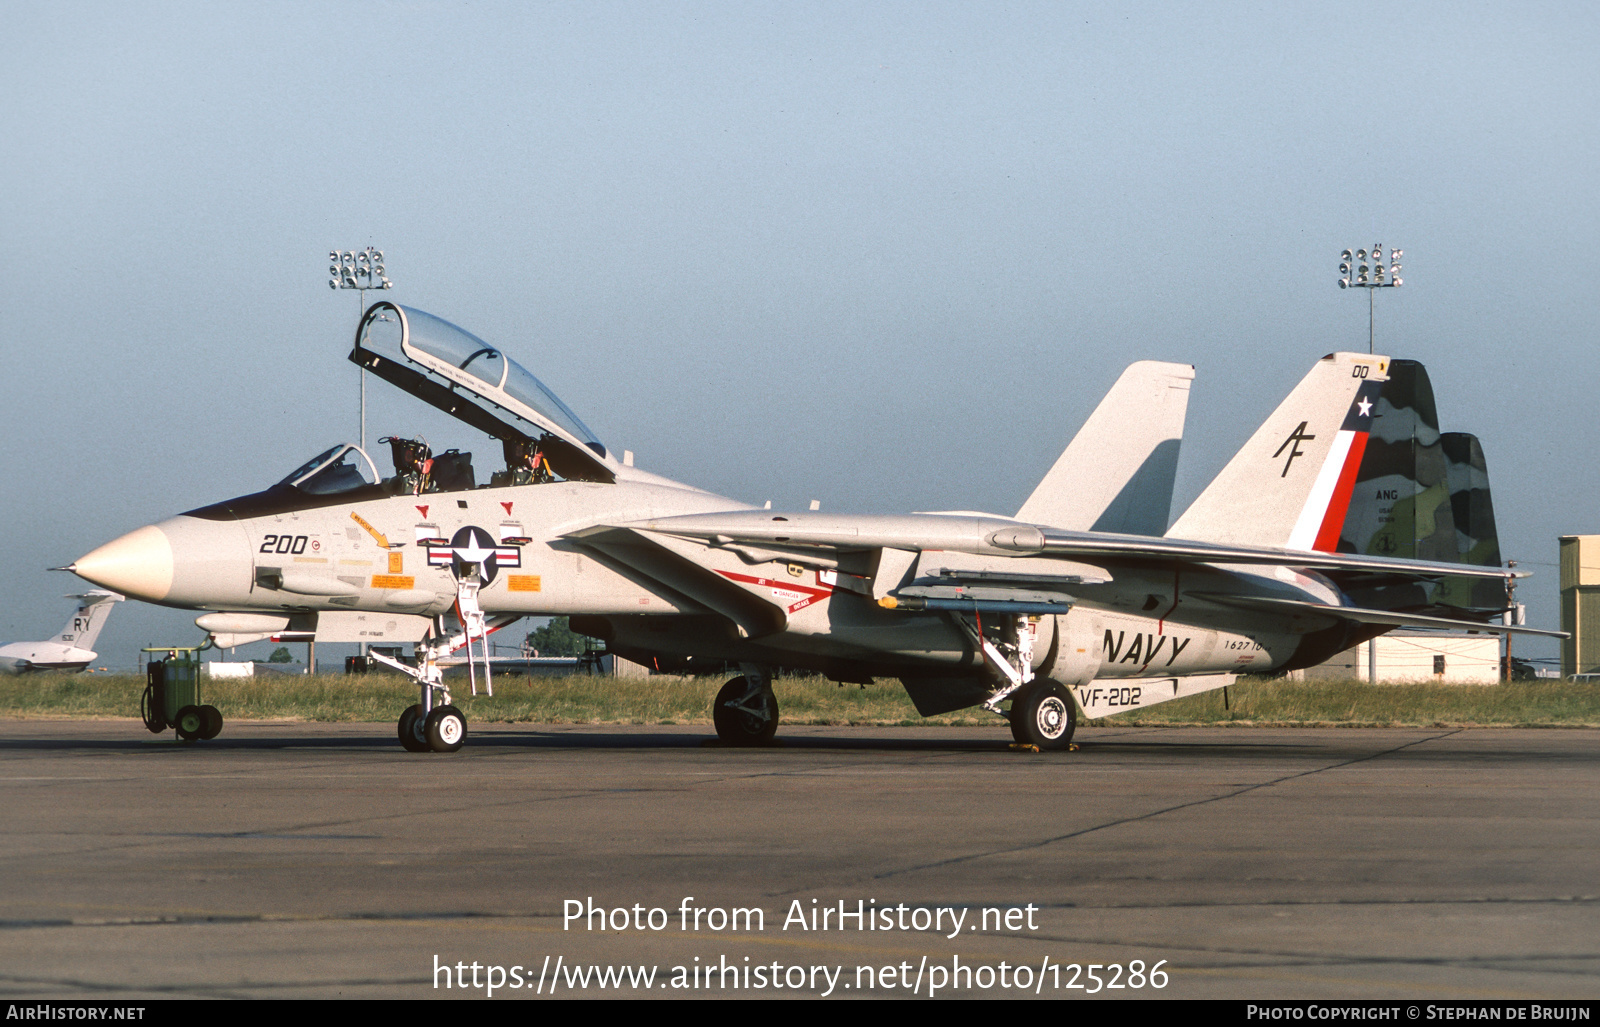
(410, 729)
(445, 729)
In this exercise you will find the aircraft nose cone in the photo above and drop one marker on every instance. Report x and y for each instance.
(183, 561)
(139, 564)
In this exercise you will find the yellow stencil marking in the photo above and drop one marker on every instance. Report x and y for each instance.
(522, 582)
(383, 539)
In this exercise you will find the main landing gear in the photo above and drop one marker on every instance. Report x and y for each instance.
(1042, 712)
(1043, 715)
(745, 711)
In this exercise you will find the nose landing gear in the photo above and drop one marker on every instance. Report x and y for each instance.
(434, 725)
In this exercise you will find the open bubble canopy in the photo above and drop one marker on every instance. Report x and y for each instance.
(459, 373)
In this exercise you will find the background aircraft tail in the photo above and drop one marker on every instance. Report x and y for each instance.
(87, 620)
(1423, 495)
(1117, 473)
(1291, 483)
(1401, 504)
(1477, 540)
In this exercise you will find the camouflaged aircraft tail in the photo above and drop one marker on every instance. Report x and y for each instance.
(1422, 495)
(1476, 538)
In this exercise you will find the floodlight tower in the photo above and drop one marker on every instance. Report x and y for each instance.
(1358, 274)
(360, 270)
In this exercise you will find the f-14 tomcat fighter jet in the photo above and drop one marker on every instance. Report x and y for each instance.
(1079, 604)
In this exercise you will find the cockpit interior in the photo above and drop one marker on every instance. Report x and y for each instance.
(541, 439)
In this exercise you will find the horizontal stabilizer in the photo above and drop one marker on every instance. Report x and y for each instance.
(1395, 618)
(95, 596)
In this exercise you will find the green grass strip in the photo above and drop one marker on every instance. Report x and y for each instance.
(808, 700)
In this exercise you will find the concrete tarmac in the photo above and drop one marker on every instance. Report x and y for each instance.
(320, 860)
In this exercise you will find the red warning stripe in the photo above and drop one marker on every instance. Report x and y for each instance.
(811, 594)
(1339, 503)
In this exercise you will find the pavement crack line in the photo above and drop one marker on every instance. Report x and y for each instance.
(230, 919)
(240, 989)
(291, 832)
(1287, 956)
(1041, 843)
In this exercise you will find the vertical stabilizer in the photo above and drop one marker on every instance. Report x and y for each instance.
(1402, 505)
(1291, 483)
(1117, 473)
(84, 626)
(1477, 540)
(1470, 502)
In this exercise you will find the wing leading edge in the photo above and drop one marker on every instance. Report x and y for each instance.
(833, 534)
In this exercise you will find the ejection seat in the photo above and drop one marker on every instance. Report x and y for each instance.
(452, 472)
(526, 464)
(413, 462)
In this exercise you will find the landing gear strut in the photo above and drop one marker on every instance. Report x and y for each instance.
(1042, 711)
(433, 724)
(745, 711)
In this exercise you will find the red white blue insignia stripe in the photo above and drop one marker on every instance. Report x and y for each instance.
(1322, 518)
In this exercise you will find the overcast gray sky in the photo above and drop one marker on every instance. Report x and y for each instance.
(885, 256)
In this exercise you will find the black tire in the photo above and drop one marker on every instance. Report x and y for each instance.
(150, 711)
(1018, 735)
(211, 725)
(189, 722)
(738, 726)
(410, 738)
(1044, 715)
(445, 729)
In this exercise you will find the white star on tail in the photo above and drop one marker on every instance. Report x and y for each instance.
(1365, 406)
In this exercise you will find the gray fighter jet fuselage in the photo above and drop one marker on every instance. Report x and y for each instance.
(965, 609)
